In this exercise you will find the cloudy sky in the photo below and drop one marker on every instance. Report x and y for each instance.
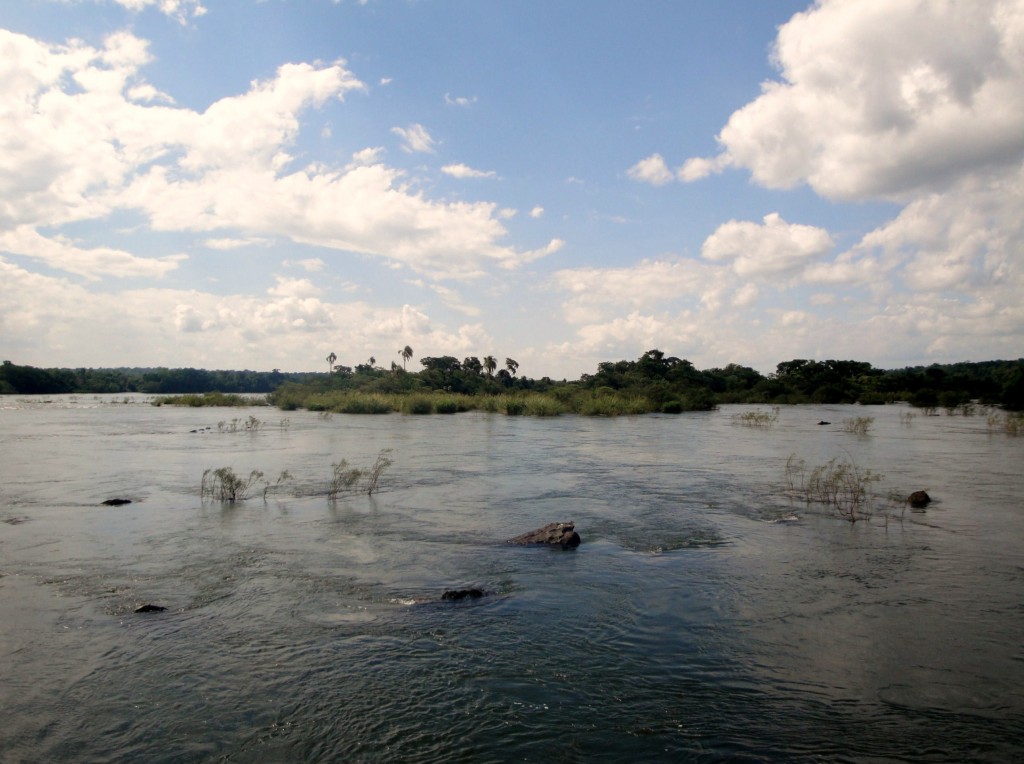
(258, 183)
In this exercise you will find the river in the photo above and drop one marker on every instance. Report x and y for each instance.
(706, 616)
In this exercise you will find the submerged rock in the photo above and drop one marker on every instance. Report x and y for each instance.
(461, 594)
(824, 422)
(919, 499)
(116, 502)
(554, 534)
(150, 609)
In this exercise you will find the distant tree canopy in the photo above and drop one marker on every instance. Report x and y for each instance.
(664, 381)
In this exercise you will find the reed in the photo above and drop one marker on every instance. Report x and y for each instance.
(222, 484)
(764, 419)
(841, 484)
(858, 425)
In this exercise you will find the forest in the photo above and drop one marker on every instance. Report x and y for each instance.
(653, 382)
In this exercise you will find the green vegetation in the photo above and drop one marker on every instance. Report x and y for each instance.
(858, 425)
(757, 418)
(840, 484)
(210, 399)
(224, 485)
(652, 383)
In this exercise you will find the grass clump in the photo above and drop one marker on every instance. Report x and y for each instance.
(223, 484)
(1010, 422)
(758, 418)
(858, 425)
(418, 404)
(209, 399)
(841, 484)
(250, 424)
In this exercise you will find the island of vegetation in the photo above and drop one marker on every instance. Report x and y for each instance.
(654, 382)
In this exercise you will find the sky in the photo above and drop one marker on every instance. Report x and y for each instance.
(255, 184)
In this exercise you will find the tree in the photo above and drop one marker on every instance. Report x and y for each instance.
(490, 364)
(472, 365)
(406, 354)
(512, 366)
(372, 362)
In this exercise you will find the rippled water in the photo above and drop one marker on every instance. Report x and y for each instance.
(705, 617)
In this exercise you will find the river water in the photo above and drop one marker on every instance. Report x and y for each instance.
(705, 617)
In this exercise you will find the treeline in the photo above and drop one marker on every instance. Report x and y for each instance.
(659, 382)
(29, 380)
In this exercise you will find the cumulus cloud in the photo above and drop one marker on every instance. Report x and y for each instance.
(75, 147)
(463, 101)
(462, 171)
(181, 10)
(772, 248)
(881, 99)
(537, 212)
(651, 170)
(415, 139)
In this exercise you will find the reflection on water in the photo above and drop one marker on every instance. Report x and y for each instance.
(704, 617)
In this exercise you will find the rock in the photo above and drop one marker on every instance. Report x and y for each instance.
(150, 609)
(824, 422)
(919, 500)
(116, 502)
(461, 594)
(560, 534)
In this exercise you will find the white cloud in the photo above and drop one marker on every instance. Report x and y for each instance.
(230, 243)
(651, 170)
(62, 253)
(181, 10)
(776, 247)
(415, 139)
(880, 98)
(537, 212)
(462, 171)
(81, 153)
(462, 101)
(310, 265)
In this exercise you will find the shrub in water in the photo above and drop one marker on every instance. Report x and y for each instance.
(419, 404)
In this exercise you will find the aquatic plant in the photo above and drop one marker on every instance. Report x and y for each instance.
(757, 418)
(1010, 422)
(250, 424)
(222, 484)
(383, 461)
(418, 404)
(342, 479)
(907, 417)
(268, 486)
(858, 425)
(210, 399)
(841, 484)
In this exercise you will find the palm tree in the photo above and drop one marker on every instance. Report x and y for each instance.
(330, 361)
(512, 366)
(406, 354)
(490, 364)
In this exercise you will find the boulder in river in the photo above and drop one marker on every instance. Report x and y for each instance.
(150, 609)
(552, 534)
(462, 594)
(919, 499)
(116, 502)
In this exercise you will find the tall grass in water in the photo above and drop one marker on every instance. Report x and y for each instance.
(210, 399)
(757, 418)
(223, 484)
(858, 425)
(841, 484)
(1010, 422)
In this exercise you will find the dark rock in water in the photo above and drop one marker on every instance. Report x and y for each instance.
(824, 422)
(116, 502)
(150, 609)
(919, 500)
(462, 594)
(554, 534)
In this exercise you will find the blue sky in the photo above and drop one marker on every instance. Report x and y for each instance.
(255, 185)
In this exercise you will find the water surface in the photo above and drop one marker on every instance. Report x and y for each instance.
(705, 617)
